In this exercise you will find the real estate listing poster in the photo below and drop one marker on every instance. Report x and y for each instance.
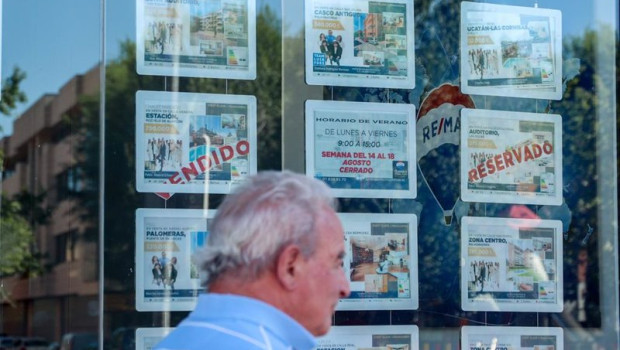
(511, 51)
(511, 265)
(196, 38)
(381, 261)
(147, 338)
(360, 43)
(362, 150)
(166, 239)
(511, 157)
(524, 338)
(370, 338)
(194, 143)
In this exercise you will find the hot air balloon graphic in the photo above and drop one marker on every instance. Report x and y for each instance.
(438, 130)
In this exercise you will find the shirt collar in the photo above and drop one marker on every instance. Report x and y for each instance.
(244, 308)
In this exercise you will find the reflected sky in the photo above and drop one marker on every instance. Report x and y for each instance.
(54, 40)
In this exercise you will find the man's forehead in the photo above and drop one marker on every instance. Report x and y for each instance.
(331, 228)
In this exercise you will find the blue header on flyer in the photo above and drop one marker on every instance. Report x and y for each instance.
(366, 184)
(529, 295)
(373, 295)
(220, 61)
(320, 66)
(168, 293)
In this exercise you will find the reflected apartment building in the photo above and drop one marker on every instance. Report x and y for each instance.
(39, 157)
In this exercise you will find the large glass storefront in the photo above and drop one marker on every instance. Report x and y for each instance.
(472, 147)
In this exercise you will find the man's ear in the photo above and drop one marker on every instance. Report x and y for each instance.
(289, 265)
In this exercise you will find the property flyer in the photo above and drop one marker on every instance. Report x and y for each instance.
(362, 150)
(360, 43)
(524, 338)
(511, 51)
(511, 265)
(370, 338)
(166, 277)
(511, 157)
(196, 38)
(381, 261)
(147, 338)
(194, 143)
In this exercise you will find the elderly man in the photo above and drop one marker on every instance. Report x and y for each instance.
(272, 267)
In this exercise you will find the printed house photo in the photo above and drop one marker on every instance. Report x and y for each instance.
(206, 23)
(212, 48)
(379, 261)
(206, 134)
(526, 264)
(213, 22)
(391, 341)
(380, 39)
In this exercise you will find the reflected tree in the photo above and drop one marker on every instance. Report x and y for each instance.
(11, 93)
(18, 215)
(585, 98)
(121, 197)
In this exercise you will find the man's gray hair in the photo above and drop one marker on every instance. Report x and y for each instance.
(270, 211)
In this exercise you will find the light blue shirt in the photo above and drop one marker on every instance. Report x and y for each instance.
(224, 321)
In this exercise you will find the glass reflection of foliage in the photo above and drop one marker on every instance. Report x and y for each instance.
(583, 103)
(585, 96)
(20, 214)
(121, 198)
(11, 93)
(437, 57)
